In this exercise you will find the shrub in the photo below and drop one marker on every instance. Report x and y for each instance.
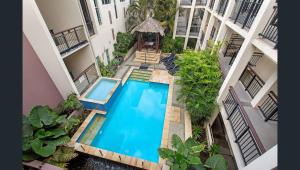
(171, 45)
(124, 42)
(200, 80)
(69, 105)
(108, 70)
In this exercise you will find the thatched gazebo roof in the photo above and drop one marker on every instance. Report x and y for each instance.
(149, 25)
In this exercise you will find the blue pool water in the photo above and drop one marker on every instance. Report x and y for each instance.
(101, 89)
(135, 121)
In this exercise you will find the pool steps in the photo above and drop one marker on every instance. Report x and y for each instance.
(93, 130)
(140, 75)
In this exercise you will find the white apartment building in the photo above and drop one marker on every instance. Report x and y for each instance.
(246, 124)
(69, 37)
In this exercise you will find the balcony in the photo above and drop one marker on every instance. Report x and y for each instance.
(201, 2)
(194, 31)
(186, 2)
(269, 107)
(70, 39)
(251, 81)
(245, 12)
(270, 32)
(86, 79)
(222, 7)
(202, 37)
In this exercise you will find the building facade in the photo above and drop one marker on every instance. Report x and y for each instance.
(245, 125)
(70, 37)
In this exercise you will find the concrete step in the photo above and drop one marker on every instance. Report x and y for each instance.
(93, 130)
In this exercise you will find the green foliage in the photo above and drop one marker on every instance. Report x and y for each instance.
(108, 70)
(62, 156)
(69, 105)
(197, 132)
(137, 13)
(186, 156)
(200, 80)
(44, 130)
(165, 11)
(124, 42)
(170, 45)
(213, 149)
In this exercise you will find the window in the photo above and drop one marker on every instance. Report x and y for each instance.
(212, 33)
(124, 10)
(116, 12)
(105, 2)
(113, 33)
(107, 55)
(122, 0)
(87, 17)
(109, 15)
(98, 12)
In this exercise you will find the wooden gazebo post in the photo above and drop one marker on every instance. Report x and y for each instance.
(157, 42)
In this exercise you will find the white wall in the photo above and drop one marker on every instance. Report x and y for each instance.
(79, 61)
(103, 38)
(264, 68)
(36, 31)
(60, 15)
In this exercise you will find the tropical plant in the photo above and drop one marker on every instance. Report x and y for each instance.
(124, 42)
(186, 156)
(43, 131)
(137, 12)
(165, 11)
(69, 105)
(213, 149)
(170, 45)
(62, 156)
(108, 70)
(200, 80)
(197, 132)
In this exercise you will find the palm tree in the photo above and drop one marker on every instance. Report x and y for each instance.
(165, 11)
(137, 12)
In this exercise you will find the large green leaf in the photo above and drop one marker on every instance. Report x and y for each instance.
(216, 162)
(176, 141)
(26, 127)
(42, 133)
(166, 153)
(194, 160)
(42, 115)
(26, 143)
(29, 156)
(41, 149)
(57, 132)
(197, 149)
(59, 141)
(71, 122)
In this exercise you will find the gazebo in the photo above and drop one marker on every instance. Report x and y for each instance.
(150, 25)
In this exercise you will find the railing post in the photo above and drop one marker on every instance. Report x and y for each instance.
(235, 107)
(63, 35)
(250, 82)
(249, 14)
(76, 35)
(237, 15)
(272, 114)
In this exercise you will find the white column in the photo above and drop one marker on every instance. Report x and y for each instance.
(189, 23)
(264, 90)
(222, 29)
(205, 16)
(176, 19)
(208, 31)
(35, 29)
(246, 50)
(268, 160)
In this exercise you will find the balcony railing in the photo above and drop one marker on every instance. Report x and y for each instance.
(181, 29)
(194, 31)
(270, 32)
(245, 12)
(244, 132)
(86, 79)
(222, 7)
(186, 2)
(201, 2)
(255, 58)
(201, 38)
(211, 4)
(251, 81)
(233, 47)
(69, 39)
(269, 107)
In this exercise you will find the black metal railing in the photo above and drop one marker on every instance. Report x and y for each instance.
(69, 39)
(233, 47)
(86, 79)
(211, 4)
(244, 132)
(270, 32)
(269, 107)
(186, 2)
(251, 81)
(194, 31)
(181, 29)
(245, 12)
(201, 2)
(222, 7)
(255, 58)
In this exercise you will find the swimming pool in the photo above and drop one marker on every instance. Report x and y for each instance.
(134, 122)
(100, 96)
